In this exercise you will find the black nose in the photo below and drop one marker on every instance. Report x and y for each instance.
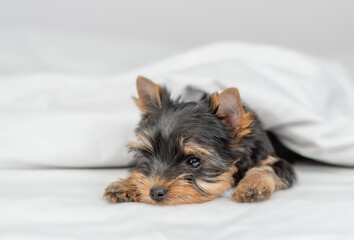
(158, 193)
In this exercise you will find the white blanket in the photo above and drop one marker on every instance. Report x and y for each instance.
(56, 120)
(68, 204)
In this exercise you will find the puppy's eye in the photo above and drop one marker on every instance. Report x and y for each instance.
(193, 162)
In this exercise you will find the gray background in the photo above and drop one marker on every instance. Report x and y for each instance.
(320, 27)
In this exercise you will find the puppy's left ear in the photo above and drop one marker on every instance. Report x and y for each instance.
(227, 106)
(150, 94)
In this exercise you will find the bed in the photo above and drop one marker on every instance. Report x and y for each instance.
(53, 190)
(68, 204)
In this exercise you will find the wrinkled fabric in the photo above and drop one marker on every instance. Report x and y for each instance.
(68, 121)
(68, 204)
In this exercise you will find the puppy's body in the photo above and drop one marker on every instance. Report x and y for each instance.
(192, 152)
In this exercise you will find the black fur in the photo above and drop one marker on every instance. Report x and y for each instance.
(167, 123)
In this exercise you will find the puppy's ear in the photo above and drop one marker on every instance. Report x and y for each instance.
(227, 106)
(150, 94)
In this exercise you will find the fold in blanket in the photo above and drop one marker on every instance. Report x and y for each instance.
(67, 121)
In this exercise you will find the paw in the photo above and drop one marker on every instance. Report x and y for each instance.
(252, 192)
(121, 191)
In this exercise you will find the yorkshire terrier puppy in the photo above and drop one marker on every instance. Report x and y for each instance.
(192, 152)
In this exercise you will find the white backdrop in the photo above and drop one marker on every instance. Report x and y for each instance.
(53, 52)
(96, 33)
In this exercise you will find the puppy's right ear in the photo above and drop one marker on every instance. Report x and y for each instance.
(150, 94)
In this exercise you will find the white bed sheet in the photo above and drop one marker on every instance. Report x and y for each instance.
(68, 204)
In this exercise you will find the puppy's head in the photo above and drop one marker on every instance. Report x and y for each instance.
(186, 151)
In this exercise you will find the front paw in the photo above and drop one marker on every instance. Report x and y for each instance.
(252, 192)
(121, 191)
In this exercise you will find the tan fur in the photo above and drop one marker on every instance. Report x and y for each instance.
(141, 105)
(122, 191)
(269, 161)
(182, 192)
(214, 101)
(225, 182)
(142, 142)
(179, 190)
(258, 184)
(192, 148)
(225, 105)
(245, 125)
(148, 92)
